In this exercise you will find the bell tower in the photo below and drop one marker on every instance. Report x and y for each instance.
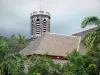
(40, 23)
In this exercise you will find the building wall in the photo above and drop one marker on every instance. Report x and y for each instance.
(82, 48)
(56, 61)
(40, 23)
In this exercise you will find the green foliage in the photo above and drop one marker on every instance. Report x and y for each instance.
(40, 65)
(92, 40)
(72, 56)
(46, 54)
(91, 20)
(17, 42)
(84, 64)
(11, 63)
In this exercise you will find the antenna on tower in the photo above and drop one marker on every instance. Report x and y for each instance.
(39, 7)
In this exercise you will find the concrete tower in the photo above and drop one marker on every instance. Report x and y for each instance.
(40, 23)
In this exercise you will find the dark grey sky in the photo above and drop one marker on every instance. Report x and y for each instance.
(66, 15)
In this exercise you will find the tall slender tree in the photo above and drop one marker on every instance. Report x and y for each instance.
(22, 40)
(92, 39)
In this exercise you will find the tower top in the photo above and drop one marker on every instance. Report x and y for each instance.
(39, 7)
(40, 12)
(35, 13)
(40, 23)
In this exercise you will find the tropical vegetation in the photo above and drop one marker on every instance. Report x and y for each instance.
(92, 39)
(13, 63)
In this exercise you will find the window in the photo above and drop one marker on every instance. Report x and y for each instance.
(32, 26)
(37, 27)
(44, 24)
(44, 20)
(32, 21)
(38, 20)
(44, 29)
(37, 23)
(37, 33)
(38, 30)
(31, 32)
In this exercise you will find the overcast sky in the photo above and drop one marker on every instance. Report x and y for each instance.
(66, 15)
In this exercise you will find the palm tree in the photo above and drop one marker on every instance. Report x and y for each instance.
(91, 40)
(92, 20)
(17, 42)
(22, 41)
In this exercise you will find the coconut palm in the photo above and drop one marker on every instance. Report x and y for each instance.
(17, 42)
(22, 41)
(91, 40)
(92, 20)
(12, 42)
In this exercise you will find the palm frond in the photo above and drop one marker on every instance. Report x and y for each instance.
(92, 20)
(91, 40)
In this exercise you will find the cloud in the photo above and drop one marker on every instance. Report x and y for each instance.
(66, 15)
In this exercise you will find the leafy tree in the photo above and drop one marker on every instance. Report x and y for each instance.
(21, 40)
(13, 43)
(40, 65)
(17, 42)
(87, 63)
(83, 64)
(10, 63)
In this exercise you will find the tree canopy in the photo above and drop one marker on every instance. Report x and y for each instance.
(91, 20)
(13, 63)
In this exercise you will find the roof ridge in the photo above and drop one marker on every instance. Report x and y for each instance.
(83, 30)
(62, 35)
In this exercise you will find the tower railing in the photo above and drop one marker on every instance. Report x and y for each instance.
(40, 13)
